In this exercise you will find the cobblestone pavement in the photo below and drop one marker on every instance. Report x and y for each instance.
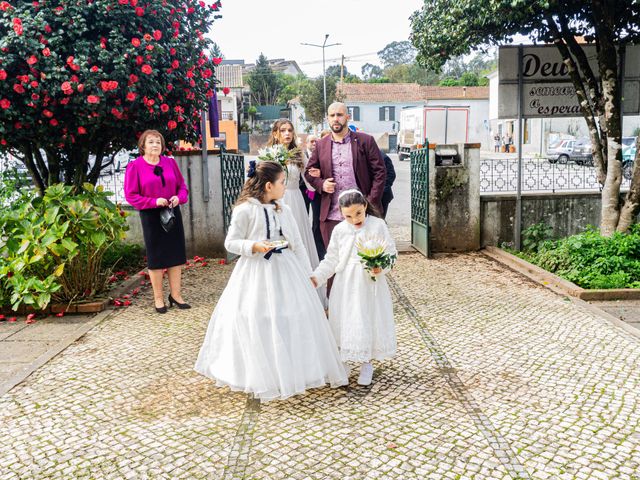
(495, 378)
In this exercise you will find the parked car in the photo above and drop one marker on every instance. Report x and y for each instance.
(628, 156)
(578, 151)
(628, 141)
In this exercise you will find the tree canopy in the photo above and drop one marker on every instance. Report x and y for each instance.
(83, 78)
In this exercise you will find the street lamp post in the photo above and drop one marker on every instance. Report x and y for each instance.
(324, 73)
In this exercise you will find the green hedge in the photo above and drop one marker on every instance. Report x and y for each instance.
(588, 259)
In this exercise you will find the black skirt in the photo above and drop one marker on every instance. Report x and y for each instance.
(164, 249)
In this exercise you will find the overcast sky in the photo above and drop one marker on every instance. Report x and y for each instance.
(363, 27)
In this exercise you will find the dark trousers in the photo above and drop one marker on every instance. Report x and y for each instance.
(303, 190)
(315, 226)
(386, 200)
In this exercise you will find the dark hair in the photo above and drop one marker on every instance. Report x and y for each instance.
(355, 197)
(255, 185)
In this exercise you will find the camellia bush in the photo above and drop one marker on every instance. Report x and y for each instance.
(52, 246)
(81, 79)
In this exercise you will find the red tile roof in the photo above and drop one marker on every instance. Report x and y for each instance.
(407, 92)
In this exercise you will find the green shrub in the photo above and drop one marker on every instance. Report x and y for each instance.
(51, 247)
(589, 259)
(124, 256)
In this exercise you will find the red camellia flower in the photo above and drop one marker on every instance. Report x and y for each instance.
(18, 88)
(4, 6)
(3, 75)
(157, 34)
(133, 79)
(17, 26)
(34, 84)
(164, 107)
(32, 60)
(4, 103)
(64, 101)
(123, 2)
(82, 130)
(146, 69)
(103, 43)
(139, 60)
(116, 113)
(81, 87)
(133, 3)
(226, 90)
(70, 59)
(94, 69)
(46, 52)
(172, 51)
(93, 99)
(53, 122)
(190, 74)
(135, 42)
(139, 11)
(47, 113)
(169, 87)
(67, 88)
(147, 37)
(131, 96)
(216, 61)
(47, 29)
(175, 64)
(171, 125)
(149, 47)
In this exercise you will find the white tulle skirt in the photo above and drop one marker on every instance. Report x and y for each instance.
(361, 315)
(293, 198)
(268, 334)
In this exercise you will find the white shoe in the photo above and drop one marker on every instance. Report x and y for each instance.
(366, 374)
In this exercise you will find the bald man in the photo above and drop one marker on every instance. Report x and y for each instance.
(346, 160)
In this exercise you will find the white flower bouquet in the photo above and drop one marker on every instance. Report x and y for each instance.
(277, 153)
(371, 251)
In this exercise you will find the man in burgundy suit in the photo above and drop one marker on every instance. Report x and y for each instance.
(341, 161)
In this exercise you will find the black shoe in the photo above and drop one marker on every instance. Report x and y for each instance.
(162, 309)
(181, 306)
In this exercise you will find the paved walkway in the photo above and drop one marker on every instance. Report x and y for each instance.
(495, 378)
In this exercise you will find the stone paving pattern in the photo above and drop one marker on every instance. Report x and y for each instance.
(495, 378)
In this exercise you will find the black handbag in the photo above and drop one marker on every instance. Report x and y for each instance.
(167, 218)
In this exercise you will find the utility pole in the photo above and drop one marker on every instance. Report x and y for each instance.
(342, 70)
(324, 72)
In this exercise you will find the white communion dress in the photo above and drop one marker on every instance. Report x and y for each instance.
(360, 310)
(268, 334)
(294, 199)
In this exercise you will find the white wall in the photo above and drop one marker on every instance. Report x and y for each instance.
(370, 116)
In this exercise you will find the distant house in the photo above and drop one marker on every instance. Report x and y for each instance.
(375, 107)
(290, 67)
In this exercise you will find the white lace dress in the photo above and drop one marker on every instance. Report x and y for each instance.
(360, 310)
(268, 334)
(293, 198)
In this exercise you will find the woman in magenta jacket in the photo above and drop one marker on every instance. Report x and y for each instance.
(153, 182)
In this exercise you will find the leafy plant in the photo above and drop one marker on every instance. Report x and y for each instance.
(535, 236)
(51, 247)
(589, 259)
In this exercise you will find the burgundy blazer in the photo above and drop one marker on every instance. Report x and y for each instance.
(368, 167)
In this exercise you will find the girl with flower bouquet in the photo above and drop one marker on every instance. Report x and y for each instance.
(360, 252)
(268, 335)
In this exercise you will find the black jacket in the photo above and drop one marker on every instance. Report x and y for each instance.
(391, 176)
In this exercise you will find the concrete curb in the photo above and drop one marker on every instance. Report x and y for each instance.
(556, 284)
(60, 346)
(552, 281)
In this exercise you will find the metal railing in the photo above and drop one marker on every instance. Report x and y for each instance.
(500, 175)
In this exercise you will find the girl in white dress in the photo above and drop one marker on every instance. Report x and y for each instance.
(268, 334)
(283, 133)
(360, 309)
